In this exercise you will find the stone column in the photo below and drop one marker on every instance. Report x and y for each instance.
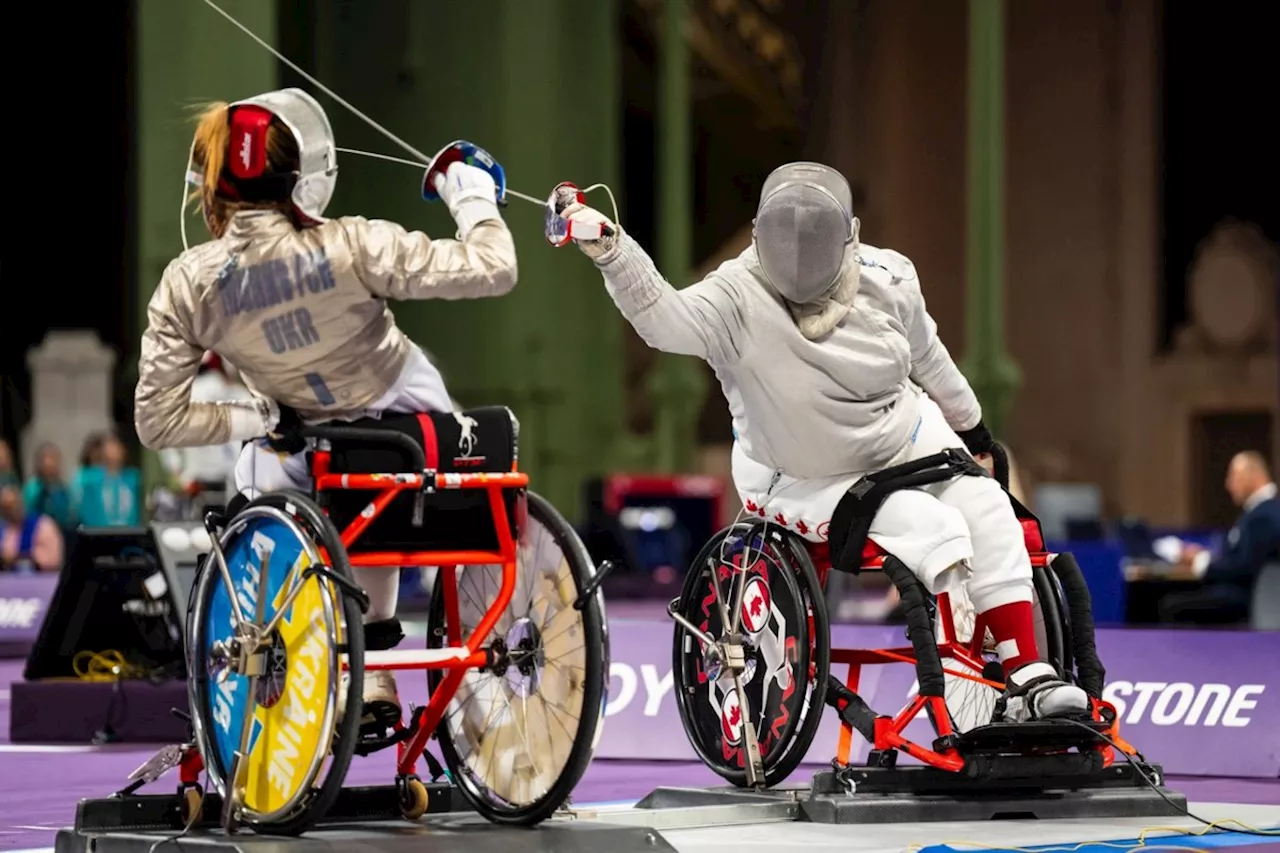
(676, 383)
(72, 391)
(987, 364)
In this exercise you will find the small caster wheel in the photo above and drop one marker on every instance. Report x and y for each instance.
(191, 809)
(413, 798)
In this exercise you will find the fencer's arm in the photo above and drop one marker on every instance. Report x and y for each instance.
(932, 367)
(704, 319)
(395, 263)
(163, 412)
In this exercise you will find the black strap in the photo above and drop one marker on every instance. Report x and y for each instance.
(851, 521)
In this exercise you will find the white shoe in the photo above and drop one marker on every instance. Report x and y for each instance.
(1035, 692)
(381, 702)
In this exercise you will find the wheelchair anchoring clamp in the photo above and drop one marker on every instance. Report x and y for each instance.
(593, 585)
(348, 588)
(420, 499)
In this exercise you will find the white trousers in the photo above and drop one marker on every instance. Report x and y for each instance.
(960, 531)
(260, 469)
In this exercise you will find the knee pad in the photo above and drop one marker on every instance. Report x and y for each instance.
(383, 635)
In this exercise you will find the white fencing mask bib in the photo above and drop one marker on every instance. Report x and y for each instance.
(803, 226)
(317, 151)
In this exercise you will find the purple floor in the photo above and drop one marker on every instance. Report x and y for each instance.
(39, 786)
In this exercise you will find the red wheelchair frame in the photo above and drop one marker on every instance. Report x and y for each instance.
(388, 487)
(890, 731)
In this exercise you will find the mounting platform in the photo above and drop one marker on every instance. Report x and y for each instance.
(363, 819)
(368, 818)
(921, 794)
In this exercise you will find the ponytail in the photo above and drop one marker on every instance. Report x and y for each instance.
(208, 155)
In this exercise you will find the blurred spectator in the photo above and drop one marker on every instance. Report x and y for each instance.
(106, 492)
(204, 474)
(29, 541)
(47, 492)
(1226, 580)
(91, 450)
(8, 472)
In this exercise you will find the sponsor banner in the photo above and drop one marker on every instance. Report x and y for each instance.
(24, 599)
(1197, 702)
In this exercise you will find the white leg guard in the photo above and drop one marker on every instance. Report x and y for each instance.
(928, 536)
(1001, 567)
(382, 585)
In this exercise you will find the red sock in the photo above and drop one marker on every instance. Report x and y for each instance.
(1012, 626)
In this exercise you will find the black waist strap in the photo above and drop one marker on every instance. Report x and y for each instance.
(851, 521)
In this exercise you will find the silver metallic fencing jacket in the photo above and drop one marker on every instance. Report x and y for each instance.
(845, 403)
(302, 314)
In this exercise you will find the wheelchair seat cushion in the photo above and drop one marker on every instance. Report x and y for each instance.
(466, 442)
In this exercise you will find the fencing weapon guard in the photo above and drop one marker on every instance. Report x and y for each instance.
(462, 151)
(559, 229)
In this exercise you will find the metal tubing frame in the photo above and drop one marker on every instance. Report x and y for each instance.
(389, 487)
(889, 731)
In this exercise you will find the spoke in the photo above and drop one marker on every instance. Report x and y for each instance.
(569, 625)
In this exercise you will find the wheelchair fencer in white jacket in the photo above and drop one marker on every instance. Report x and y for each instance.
(833, 369)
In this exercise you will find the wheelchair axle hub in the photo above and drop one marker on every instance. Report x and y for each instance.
(246, 654)
(524, 657)
(727, 657)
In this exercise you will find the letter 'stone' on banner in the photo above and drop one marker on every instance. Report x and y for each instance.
(1197, 702)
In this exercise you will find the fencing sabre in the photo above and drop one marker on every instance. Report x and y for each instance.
(455, 151)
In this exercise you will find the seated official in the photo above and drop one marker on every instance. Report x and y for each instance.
(29, 541)
(1227, 579)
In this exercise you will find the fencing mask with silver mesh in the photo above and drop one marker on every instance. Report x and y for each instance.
(803, 227)
(317, 152)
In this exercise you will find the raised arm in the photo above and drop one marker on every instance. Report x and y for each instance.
(398, 264)
(163, 412)
(704, 319)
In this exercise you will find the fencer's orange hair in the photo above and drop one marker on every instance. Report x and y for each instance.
(209, 156)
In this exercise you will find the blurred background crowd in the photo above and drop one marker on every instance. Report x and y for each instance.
(1098, 249)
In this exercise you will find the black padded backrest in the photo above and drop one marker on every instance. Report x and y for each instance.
(476, 440)
(471, 441)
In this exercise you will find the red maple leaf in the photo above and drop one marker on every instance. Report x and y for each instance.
(735, 715)
(780, 519)
(760, 512)
(757, 604)
(751, 506)
(801, 527)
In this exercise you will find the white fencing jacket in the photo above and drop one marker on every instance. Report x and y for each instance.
(846, 403)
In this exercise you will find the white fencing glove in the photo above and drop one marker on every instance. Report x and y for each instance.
(252, 418)
(582, 218)
(471, 196)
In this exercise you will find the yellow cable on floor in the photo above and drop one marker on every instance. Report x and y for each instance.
(109, 665)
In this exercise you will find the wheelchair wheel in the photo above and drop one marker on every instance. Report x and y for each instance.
(972, 704)
(784, 618)
(297, 750)
(518, 738)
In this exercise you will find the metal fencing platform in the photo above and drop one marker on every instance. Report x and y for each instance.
(367, 819)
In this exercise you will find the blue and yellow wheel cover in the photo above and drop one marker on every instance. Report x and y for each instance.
(290, 735)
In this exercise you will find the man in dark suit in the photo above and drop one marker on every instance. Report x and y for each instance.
(1226, 580)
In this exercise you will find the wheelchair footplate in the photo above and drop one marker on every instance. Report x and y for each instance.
(1036, 737)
